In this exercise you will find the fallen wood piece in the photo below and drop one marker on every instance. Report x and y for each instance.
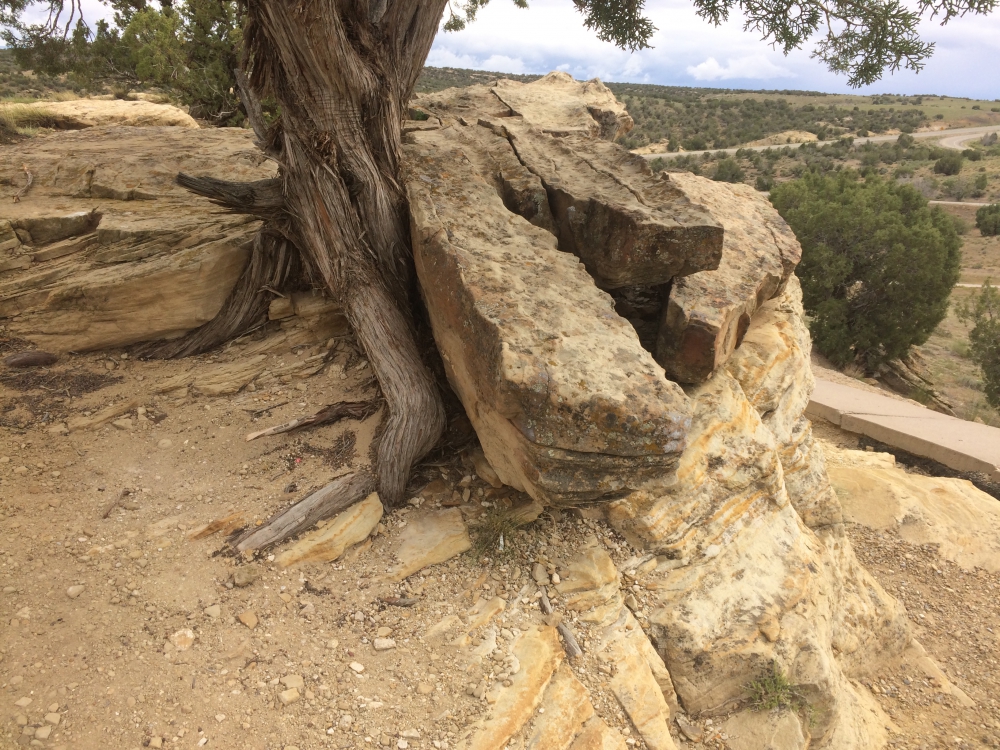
(102, 417)
(115, 502)
(570, 643)
(259, 412)
(30, 179)
(325, 502)
(34, 358)
(228, 524)
(332, 413)
(397, 601)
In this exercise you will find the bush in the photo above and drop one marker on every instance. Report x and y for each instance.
(877, 264)
(988, 220)
(764, 182)
(983, 312)
(728, 170)
(979, 186)
(949, 164)
(972, 155)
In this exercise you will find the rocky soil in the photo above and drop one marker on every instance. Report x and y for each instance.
(598, 556)
(121, 630)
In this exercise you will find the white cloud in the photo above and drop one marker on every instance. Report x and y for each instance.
(687, 51)
(749, 67)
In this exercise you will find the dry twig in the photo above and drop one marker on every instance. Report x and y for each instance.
(332, 413)
(30, 179)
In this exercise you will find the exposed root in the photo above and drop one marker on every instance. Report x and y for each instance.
(326, 415)
(274, 264)
(328, 501)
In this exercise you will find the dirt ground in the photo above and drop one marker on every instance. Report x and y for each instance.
(98, 587)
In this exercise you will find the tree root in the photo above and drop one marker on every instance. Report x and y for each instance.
(326, 415)
(274, 264)
(334, 498)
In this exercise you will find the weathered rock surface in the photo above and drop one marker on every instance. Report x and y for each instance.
(333, 537)
(567, 403)
(430, 538)
(560, 105)
(89, 113)
(708, 313)
(953, 514)
(743, 580)
(109, 250)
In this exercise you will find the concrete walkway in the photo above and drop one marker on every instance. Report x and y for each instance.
(960, 445)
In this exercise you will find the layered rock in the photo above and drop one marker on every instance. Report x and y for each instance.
(743, 582)
(568, 405)
(708, 313)
(105, 249)
(77, 114)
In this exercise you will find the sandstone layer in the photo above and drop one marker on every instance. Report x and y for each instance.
(105, 249)
(567, 403)
(89, 113)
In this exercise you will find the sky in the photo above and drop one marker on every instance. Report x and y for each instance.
(688, 51)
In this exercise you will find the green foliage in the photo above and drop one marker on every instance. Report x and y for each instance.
(983, 312)
(192, 50)
(699, 119)
(988, 220)
(980, 185)
(728, 170)
(773, 690)
(949, 164)
(972, 154)
(877, 264)
(621, 23)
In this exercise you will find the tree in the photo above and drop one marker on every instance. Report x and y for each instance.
(988, 220)
(983, 312)
(728, 170)
(878, 264)
(342, 72)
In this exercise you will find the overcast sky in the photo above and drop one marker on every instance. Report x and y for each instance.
(689, 52)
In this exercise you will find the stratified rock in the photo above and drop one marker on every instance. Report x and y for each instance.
(540, 654)
(428, 539)
(334, 536)
(567, 708)
(755, 730)
(962, 521)
(772, 367)
(745, 582)
(113, 251)
(559, 105)
(89, 113)
(708, 313)
(567, 403)
(628, 226)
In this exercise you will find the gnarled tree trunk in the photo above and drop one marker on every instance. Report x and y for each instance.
(343, 71)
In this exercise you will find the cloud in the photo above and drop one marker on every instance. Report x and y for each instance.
(749, 67)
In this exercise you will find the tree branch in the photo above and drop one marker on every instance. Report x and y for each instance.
(263, 198)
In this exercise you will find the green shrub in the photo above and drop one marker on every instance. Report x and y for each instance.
(979, 186)
(728, 170)
(972, 155)
(983, 312)
(764, 182)
(949, 164)
(988, 220)
(877, 264)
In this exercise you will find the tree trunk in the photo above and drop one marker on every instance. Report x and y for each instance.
(343, 72)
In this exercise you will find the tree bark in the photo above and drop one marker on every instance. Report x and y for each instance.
(343, 72)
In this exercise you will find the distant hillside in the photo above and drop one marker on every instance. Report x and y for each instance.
(700, 118)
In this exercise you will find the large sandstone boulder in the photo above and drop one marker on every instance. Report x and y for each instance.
(568, 404)
(105, 249)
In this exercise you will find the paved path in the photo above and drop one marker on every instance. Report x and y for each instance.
(952, 138)
(960, 445)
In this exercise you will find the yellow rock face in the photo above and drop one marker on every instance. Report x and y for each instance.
(329, 542)
(952, 513)
(540, 654)
(429, 539)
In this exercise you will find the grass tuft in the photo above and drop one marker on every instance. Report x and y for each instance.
(493, 533)
(773, 690)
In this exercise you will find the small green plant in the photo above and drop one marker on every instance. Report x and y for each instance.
(774, 690)
(728, 170)
(493, 533)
